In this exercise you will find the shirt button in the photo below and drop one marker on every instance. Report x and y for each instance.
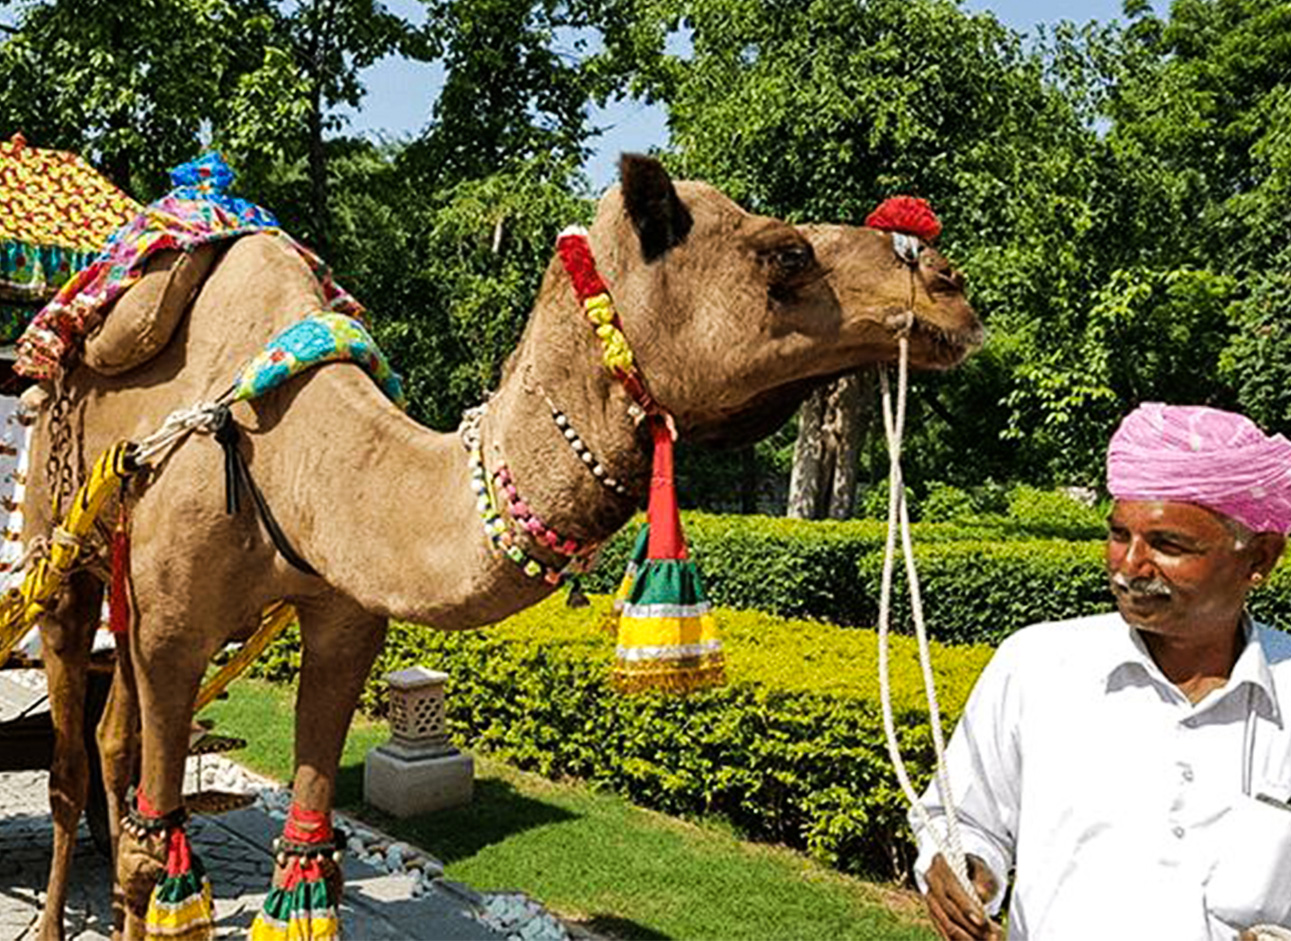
(1179, 832)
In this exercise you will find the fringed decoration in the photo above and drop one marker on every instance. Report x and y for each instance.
(119, 593)
(181, 907)
(907, 214)
(301, 910)
(667, 635)
(635, 561)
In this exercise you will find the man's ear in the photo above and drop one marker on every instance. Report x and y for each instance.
(1266, 549)
(657, 213)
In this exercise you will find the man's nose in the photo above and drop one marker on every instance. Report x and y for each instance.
(1137, 559)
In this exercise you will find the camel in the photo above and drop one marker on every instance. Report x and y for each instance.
(733, 317)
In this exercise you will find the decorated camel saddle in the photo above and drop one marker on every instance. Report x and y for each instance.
(121, 310)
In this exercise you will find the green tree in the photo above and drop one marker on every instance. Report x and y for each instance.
(457, 275)
(820, 110)
(516, 88)
(280, 113)
(131, 86)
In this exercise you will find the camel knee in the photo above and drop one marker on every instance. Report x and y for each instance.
(69, 779)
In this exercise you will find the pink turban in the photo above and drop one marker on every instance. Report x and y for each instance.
(1193, 454)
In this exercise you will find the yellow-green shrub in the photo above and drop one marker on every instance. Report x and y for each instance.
(791, 750)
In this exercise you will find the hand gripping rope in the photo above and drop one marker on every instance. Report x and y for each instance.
(894, 425)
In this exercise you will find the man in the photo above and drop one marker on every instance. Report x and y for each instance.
(1133, 770)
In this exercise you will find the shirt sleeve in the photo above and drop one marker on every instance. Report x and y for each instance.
(984, 764)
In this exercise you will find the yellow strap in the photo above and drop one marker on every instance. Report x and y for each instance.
(20, 607)
(275, 617)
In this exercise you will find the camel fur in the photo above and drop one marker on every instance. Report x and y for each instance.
(732, 317)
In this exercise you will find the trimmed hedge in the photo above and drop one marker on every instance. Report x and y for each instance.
(791, 750)
(980, 592)
(982, 581)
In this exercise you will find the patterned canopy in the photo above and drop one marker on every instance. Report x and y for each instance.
(56, 214)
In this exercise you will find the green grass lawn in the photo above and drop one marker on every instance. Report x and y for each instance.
(593, 858)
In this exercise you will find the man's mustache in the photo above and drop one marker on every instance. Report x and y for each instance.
(1143, 585)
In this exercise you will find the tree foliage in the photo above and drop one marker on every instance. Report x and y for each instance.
(1116, 194)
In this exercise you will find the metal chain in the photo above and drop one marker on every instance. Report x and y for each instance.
(58, 467)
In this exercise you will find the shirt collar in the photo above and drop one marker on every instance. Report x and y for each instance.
(1252, 666)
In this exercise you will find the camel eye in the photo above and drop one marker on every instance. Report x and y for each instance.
(793, 259)
(787, 262)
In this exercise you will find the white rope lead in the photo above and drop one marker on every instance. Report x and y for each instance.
(178, 424)
(898, 516)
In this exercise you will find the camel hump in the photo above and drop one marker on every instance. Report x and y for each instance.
(138, 326)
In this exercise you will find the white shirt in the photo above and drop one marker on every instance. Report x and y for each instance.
(1125, 810)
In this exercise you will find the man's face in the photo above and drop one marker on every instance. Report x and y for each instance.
(1176, 568)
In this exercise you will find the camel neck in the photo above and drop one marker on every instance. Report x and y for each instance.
(414, 546)
(558, 371)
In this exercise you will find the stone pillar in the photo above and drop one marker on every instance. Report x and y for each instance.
(418, 770)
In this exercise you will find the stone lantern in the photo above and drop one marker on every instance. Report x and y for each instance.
(417, 770)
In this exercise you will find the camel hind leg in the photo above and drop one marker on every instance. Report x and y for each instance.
(340, 641)
(66, 637)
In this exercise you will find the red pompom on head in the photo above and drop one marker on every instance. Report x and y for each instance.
(908, 214)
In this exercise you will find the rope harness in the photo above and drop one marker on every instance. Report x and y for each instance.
(951, 846)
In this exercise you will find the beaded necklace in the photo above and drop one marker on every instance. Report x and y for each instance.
(594, 298)
(585, 455)
(496, 528)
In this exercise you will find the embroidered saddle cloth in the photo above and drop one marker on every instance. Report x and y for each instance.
(122, 309)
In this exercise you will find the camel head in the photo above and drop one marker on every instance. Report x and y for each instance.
(735, 317)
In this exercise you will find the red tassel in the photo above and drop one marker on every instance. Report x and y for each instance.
(907, 214)
(666, 541)
(576, 255)
(119, 595)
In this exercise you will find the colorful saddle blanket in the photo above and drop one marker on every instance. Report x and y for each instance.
(311, 341)
(194, 213)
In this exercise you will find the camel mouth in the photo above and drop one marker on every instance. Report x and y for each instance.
(938, 347)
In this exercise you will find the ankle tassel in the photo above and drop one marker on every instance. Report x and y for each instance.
(301, 910)
(181, 907)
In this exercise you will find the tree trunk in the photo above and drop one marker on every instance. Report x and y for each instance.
(319, 49)
(318, 176)
(831, 425)
(748, 480)
(808, 455)
(846, 420)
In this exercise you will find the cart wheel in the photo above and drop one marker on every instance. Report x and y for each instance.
(96, 808)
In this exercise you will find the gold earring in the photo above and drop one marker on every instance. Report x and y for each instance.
(1257, 578)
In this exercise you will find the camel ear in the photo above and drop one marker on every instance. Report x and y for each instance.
(657, 213)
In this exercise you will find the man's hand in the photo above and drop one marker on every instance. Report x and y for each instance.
(956, 915)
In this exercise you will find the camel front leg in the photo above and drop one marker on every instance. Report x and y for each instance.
(340, 642)
(118, 740)
(66, 636)
(168, 657)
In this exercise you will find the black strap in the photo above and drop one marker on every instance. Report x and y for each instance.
(150, 825)
(238, 475)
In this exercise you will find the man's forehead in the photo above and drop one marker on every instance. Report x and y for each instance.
(1173, 515)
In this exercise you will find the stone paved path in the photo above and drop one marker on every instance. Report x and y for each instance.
(381, 903)
(235, 847)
